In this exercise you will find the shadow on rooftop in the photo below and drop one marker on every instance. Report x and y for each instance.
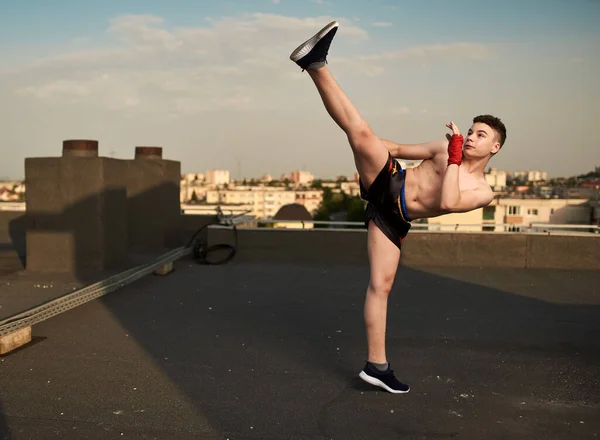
(278, 348)
(4, 429)
(12, 241)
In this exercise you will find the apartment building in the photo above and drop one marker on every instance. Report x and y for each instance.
(189, 188)
(7, 195)
(192, 177)
(301, 177)
(513, 214)
(530, 176)
(460, 221)
(310, 199)
(11, 190)
(217, 177)
(350, 188)
(517, 212)
(264, 202)
(496, 179)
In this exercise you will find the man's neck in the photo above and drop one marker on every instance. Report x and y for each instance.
(474, 166)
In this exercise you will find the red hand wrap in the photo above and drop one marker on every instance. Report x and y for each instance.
(455, 149)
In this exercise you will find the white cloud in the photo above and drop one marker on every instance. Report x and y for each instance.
(144, 33)
(151, 64)
(228, 83)
(381, 24)
(424, 56)
(170, 68)
(438, 52)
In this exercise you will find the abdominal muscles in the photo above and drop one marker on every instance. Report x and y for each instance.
(422, 190)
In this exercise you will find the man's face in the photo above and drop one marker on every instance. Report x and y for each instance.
(481, 141)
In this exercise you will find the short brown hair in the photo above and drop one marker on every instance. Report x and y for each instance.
(496, 124)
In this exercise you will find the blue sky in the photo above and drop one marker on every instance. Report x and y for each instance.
(35, 22)
(209, 80)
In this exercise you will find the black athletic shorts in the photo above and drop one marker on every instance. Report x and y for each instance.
(386, 204)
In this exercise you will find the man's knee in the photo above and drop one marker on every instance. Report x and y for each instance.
(361, 135)
(381, 285)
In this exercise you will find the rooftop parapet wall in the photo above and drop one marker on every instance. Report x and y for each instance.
(419, 249)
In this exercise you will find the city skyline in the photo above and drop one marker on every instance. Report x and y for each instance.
(212, 83)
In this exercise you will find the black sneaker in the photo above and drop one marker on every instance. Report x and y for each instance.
(313, 52)
(383, 379)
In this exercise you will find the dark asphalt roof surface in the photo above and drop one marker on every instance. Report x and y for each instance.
(251, 351)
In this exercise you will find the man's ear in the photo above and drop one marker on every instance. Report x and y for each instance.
(496, 148)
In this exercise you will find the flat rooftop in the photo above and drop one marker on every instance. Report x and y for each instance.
(249, 350)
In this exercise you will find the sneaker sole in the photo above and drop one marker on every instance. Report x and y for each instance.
(373, 381)
(308, 45)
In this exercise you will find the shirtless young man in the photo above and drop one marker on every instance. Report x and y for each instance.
(449, 179)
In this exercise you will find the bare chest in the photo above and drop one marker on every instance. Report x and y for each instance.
(424, 185)
(430, 174)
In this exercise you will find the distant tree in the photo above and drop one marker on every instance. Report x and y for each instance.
(317, 184)
(194, 197)
(325, 208)
(356, 210)
(591, 174)
(333, 203)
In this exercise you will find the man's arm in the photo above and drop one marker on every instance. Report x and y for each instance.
(455, 200)
(422, 151)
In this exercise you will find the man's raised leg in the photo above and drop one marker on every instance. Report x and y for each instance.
(370, 154)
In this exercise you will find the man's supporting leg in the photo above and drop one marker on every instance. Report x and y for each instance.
(370, 155)
(384, 257)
